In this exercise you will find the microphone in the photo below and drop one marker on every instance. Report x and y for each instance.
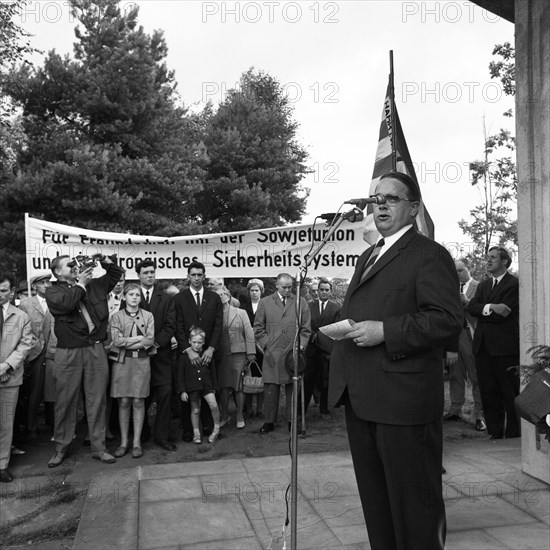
(361, 203)
(355, 215)
(330, 216)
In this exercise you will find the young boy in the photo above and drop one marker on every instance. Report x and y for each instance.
(196, 382)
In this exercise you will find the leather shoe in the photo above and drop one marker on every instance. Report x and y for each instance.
(451, 417)
(121, 451)
(267, 427)
(496, 437)
(187, 437)
(166, 445)
(5, 476)
(56, 460)
(105, 457)
(480, 425)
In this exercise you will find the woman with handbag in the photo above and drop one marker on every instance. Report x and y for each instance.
(236, 347)
(133, 335)
(255, 288)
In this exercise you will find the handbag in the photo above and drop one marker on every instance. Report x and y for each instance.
(251, 378)
(533, 403)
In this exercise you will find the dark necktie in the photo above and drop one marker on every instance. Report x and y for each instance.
(1, 319)
(322, 307)
(462, 285)
(284, 301)
(198, 298)
(147, 296)
(372, 259)
(495, 282)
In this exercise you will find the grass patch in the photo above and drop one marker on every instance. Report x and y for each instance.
(55, 495)
(66, 529)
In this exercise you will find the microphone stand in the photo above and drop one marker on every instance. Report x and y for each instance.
(295, 355)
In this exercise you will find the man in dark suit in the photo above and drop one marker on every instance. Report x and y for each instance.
(323, 312)
(404, 300)
(198, 307)
(161, 305)
(496, 344)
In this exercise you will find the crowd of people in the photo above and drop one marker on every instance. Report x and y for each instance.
(111, 349)
(125, 347)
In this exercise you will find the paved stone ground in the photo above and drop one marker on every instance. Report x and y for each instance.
(42, 507)
(240, 504)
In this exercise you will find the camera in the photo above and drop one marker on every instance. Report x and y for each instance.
(84, 262)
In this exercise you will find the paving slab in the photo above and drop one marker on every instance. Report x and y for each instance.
(535, 503)
(240, 503)
(532, 537)
(477, 539)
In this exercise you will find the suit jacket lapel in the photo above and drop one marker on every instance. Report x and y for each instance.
(204, 300)
(232, 315)
(471, 291)
(388, 256)
(359, 269)
(315, 314)
(37, 306)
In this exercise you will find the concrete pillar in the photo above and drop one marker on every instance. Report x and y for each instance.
(532, 26)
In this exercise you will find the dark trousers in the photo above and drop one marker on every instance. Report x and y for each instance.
(498, 387)
(162, 396)
(33, 387)
(315, 376)
(398, 472)
(271, 402)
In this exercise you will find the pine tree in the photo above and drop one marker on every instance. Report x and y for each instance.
(255, 162)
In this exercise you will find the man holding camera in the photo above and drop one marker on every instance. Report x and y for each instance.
(79, 306)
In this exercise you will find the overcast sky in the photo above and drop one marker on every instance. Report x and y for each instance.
(332, 58)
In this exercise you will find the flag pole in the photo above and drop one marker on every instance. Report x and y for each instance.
(393, 121)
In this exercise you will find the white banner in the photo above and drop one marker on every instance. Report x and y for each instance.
(262, 253)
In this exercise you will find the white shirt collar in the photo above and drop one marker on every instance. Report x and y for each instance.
(392, 239)
(194, 292)
(498, 279)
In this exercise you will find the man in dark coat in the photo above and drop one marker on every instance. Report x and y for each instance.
(388, 372)
(496, 344)
(78, 304)
(201, 308)
(161, 305)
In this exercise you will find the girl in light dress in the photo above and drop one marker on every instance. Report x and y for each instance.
(133, 336)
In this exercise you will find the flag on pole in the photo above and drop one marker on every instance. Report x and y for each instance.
(390, 130)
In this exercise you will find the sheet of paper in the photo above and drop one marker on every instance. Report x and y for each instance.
(338, 330)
